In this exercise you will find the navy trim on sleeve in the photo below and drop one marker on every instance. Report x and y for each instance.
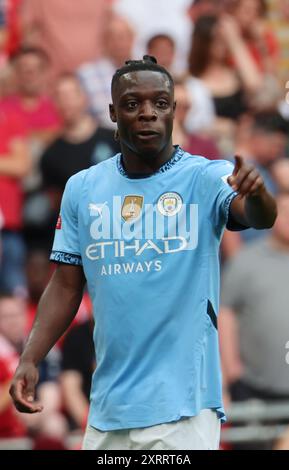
(66, 258)
(232, 224)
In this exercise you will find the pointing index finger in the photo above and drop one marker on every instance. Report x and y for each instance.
(238, 164)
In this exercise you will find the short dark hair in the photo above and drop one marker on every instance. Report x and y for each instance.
(147, 63)
(202, 40)
(270, 122)
(157, 37)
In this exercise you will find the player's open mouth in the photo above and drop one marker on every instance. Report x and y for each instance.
(147, 134)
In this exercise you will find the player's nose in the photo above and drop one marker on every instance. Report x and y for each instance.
(147, 111)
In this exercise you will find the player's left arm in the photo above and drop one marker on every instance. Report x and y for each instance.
(254, 206)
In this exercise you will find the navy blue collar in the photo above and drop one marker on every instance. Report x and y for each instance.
(176, 156)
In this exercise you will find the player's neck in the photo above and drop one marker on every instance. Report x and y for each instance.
(141, 164)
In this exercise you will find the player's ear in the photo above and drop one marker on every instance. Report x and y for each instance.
(112, 113)
(174, 108)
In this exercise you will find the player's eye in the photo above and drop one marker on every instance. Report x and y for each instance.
(162, 103)
(131, 105)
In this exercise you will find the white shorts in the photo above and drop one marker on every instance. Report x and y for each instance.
(200, 432)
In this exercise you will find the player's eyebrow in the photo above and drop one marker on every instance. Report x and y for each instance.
(137, 94)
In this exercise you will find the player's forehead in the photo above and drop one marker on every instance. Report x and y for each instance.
(143, 81)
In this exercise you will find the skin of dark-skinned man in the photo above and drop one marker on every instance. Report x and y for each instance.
(143, 108)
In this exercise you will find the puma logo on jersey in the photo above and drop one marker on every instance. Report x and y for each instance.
(96, 209)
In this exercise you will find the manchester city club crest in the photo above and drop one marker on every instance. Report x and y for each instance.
(131, 207)
(169, 204)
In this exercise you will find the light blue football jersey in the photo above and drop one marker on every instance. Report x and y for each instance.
(149, 248)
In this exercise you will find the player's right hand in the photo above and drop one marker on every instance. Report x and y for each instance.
(22, 389)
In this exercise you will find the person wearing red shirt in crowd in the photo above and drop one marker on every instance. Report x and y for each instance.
(10, 425)
(31, 101)
(57, 26)
(12, 321)
(196, 144)
(260, 39)
(14, 165)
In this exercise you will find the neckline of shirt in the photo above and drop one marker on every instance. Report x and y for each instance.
(175, 158)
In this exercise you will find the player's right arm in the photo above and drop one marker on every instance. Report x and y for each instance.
(57, 308)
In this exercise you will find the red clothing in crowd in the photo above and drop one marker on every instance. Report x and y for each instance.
(11, 196)
(13, 25)
(198, 145)
(69, 31)
(84, 313)
(271, 46)
(43, 116)
(10, 423)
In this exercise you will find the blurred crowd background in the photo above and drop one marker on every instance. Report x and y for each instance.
(230, 62)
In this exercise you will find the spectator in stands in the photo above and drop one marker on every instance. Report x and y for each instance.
(31, 100)
(11, 425)
(260, 138)
(199, 8)
(163, 48)
(96, 76)
(192, 143)
(214, 41)
(254, 322)
(78, 364)
(12, 323)
(14, 165)
(82, 142)
(70, 32)
(13, 320)
(278, 17)
(264, 144)
(150, 17)
(197, 144)
(36, 109)
(32, 103)
(262, 43)
(251, 17)
(204, 120)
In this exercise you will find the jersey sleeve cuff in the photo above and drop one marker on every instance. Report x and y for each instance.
(66, 258)
(232, 224)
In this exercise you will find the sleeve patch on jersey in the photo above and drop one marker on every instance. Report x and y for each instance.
(66, 258)
(58, 223)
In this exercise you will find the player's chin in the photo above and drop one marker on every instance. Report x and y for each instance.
(148, 148)
(149, 154)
